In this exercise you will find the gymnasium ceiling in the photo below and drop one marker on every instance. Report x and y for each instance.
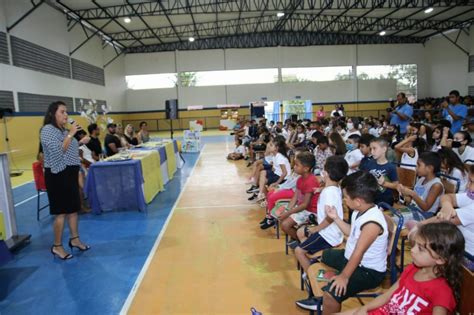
(169, 25)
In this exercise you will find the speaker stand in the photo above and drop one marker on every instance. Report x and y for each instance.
(171, 124)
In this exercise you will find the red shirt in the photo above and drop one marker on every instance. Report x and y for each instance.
(413, 297)
(304, 186)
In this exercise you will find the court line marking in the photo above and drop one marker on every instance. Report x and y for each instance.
(23, 184)
(141, 275)
(218, 206)
(28, 199)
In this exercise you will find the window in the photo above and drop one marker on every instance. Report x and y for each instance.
(406, 76)
(151, 81)
(234, 77)
(316, 74)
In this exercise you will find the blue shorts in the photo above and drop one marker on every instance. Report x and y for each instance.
(271, 177)
(315, 243)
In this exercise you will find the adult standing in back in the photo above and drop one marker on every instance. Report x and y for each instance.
(61, 163)
(455, 112)
(401, 114)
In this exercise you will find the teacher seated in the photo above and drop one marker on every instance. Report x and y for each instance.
(61, 165)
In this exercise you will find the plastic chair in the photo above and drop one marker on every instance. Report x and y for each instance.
(38, 175)
(406, 177)
(393, 269)
(449, 188)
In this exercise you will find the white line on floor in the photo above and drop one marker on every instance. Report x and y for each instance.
(218, 206)
(22, 184)
(28, 199)
(133, 292)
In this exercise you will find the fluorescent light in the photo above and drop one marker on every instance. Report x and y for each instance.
(429, 10)
(382, 33)
(127, 20)
(280, 14)
(191, 39)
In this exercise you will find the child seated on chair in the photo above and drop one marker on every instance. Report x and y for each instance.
(363, 263)
(384, 171)
(239, 151)
(326, 234)
(321, 153)
(428, 188)
(364, 146)
(431, 285)
(353, 155)
(304, 201)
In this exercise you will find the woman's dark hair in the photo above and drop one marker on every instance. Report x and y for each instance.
(452, 160)
(280, 143)
(445, 239)
(420, 145)
(361, 185)
(338, 142)
(466, 136)
(306, 159)
(79, 134)
(336, 167)
(143, 123)
(50, 116)
(322, 140)
(91, 128)
(431, 159)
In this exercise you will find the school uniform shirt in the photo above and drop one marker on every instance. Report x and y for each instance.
(374, 132)
(304, 186)
(389, 171)
(301, 137)
(407, 159)
(240, 150)
(352, 157)
(331, 196)
(375, 257)
(461, 111)
(463, 179)
(467, 154)
(423, 189)
(418, 297)
(278, 160)
(364, 161)
(465, 213)
(405, 109)
(284, 133)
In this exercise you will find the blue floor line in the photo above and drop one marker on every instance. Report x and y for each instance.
(94, 282)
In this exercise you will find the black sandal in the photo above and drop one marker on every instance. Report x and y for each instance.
(82, 249)
(68, 256)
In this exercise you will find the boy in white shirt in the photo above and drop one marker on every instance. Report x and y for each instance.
(326, 234)
(239, 151)
(363, 263)
(353, 155)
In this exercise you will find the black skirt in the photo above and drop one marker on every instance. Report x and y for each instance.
(63, 190)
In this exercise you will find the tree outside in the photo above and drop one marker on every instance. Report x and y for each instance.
(186, 79)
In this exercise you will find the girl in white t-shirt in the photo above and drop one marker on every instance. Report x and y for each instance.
(281, 167)
(452, 165)
(353, 155)
(352, 126)
(410, 148)
(326, 234)
(461, 147)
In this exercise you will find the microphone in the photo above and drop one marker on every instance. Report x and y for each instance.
(72, 121)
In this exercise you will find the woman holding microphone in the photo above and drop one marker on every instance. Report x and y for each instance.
(61, 163)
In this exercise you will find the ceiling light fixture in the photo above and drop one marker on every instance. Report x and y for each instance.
(127, 20)
(280, 14)
(382, 33)
(429, 10)
(191, 39)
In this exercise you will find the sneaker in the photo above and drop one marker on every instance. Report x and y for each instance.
(268, 224)
(293, 244)
(263, 221)
(254, 196)
(253, 189)
(310, 304)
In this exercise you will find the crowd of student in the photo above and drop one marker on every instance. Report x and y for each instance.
(337, 162)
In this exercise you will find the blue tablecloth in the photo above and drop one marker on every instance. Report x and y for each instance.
(110, 184)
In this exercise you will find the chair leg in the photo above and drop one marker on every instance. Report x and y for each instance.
(286, 244)
(277, 226)
(301, 279)
(38, 206)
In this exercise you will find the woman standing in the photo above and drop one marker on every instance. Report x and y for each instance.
(61, 163)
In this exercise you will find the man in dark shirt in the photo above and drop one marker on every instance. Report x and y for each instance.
(112, 143)
(94, 144)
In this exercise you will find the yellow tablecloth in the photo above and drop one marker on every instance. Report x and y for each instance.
(150, 161)
(171, 159)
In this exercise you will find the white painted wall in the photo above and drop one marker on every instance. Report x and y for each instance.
(48, 28)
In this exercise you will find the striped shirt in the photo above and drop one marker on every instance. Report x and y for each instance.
(55, 158)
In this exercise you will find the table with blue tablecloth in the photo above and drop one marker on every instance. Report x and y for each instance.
(134, 182)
